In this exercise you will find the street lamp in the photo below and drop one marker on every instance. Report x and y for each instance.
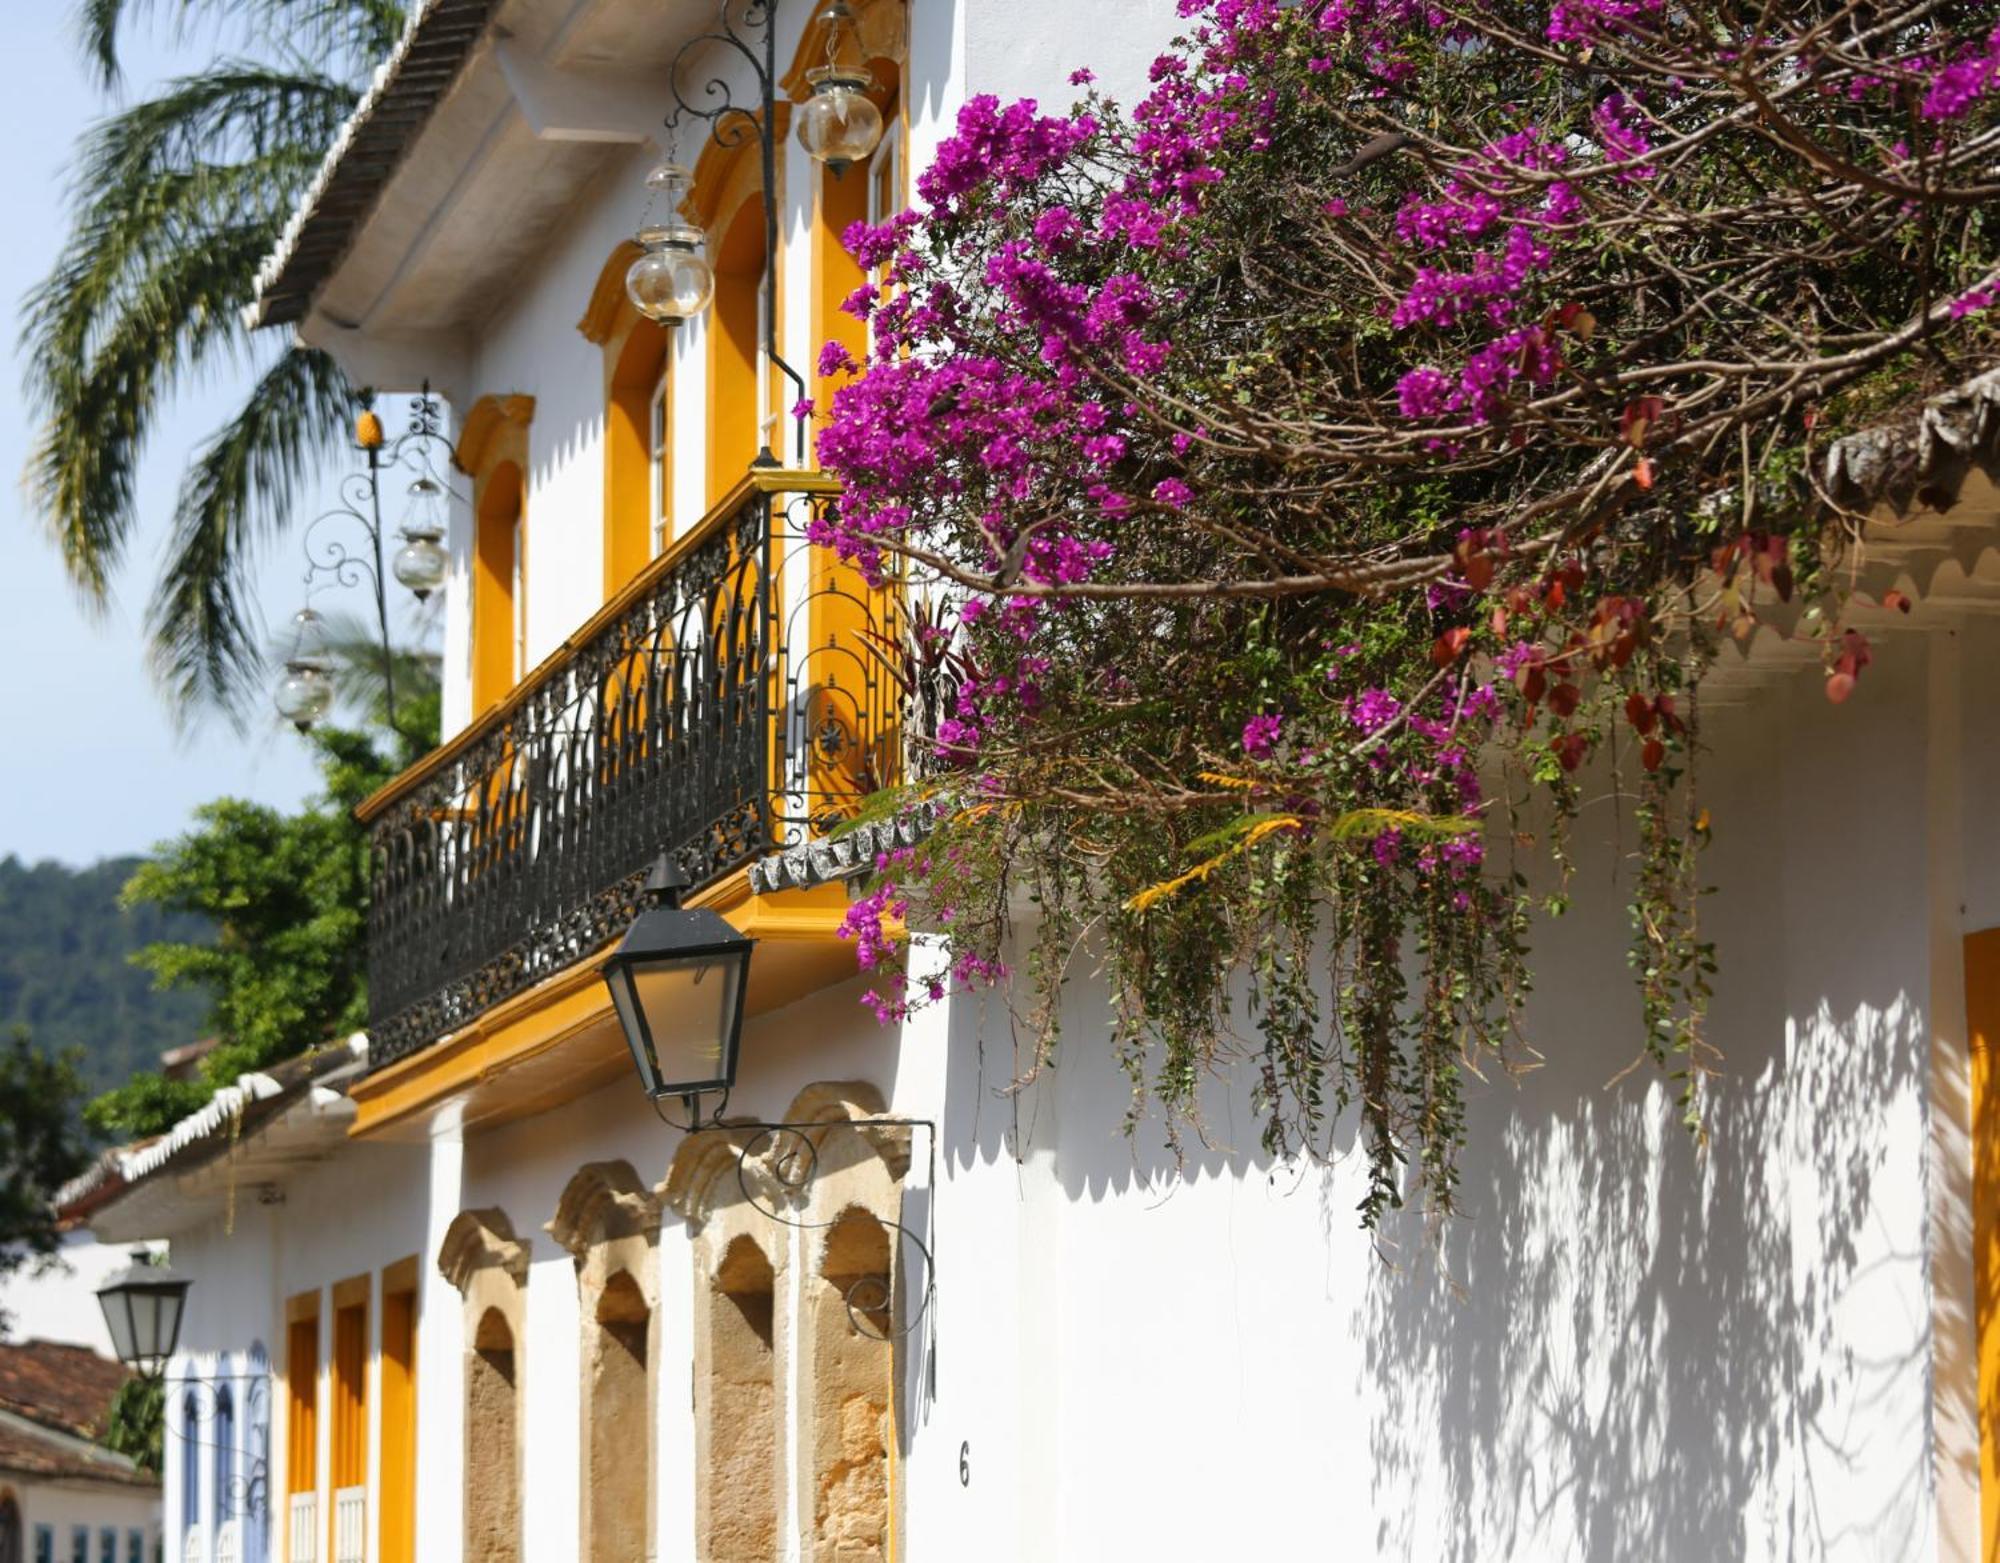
(839, 125)
(305, 690)
(677, 983)
(142, 1308)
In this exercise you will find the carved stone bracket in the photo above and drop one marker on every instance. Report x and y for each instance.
(604, 1202)
(480, 1240)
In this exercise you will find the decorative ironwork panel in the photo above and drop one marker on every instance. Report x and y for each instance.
(747, 699)
(527, 850)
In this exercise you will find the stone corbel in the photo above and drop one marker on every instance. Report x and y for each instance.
(604, 1202)
(480, 1240)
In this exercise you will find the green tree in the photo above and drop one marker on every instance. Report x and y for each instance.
(287, 897)
(176, 201)
(137, 1424)
(66, 971)
(42, 1145)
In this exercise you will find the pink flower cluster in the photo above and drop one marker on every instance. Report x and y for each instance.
(1963, 82)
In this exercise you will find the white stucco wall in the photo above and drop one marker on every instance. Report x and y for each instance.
(1628, 1347)
(327, 1223)
(63, 1506)
(56, 1300)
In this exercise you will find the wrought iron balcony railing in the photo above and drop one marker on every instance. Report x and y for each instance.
(737, 697)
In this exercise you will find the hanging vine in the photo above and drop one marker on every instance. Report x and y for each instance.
(1386, 418)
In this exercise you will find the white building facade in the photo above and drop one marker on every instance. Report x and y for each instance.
(501, 1310)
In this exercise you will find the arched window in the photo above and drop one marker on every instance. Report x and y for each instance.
(488, 1266)
(499, 605)
(853, 1426)
(739, 390)
(639, 470)
(620, 1424)
(492, 1471)
(190, 1459)
(740, 1464)
(10, 1531)
(493, 451)
(224, 1433)
(609, 1221)
(256, 1454)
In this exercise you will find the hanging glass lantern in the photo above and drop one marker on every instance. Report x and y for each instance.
(672, 280)
(839, 125)
(421, 563)
(305, 693)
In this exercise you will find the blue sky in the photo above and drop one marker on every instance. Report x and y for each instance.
(90, 762)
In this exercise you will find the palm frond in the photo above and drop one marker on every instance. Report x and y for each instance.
(84, 464)
(160, 259)
(353, 32)
(237, 493)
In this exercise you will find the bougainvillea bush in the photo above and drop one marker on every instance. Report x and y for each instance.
(1388, 416)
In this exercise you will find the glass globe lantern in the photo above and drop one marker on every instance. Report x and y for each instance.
(672, 279)
(421, 563)
(305, 693)
(839, 124)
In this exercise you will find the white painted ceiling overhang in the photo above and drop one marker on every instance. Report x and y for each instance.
(245, 1142)
(553, 93)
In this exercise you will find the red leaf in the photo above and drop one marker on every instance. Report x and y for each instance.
(1839, 686)
(1564, 699)
(1479, 572)
(1498, 622)
(1534, 683)
(1898, 600)
(1639, 712)
(1446, 649)
(1653, 755)
(1571, 748)
(1642, 474)
(1640, 416)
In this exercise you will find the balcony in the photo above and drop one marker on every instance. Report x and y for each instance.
(737, 698)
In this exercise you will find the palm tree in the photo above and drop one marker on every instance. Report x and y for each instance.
(176, 201)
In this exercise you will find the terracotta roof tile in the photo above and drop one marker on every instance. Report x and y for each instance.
(69, 1388)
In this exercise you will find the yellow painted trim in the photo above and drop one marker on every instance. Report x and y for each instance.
(490, 419)
(1982, 1014)
(351, 1293)
(503, 1066)
(396, 1514)
(608, 304)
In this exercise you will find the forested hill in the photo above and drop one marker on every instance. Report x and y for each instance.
(64, 972)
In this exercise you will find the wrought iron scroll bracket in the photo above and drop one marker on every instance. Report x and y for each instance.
(747, 28)
(330, 562)
(787, 1159)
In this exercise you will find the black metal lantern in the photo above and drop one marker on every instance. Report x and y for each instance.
(142, 1308)
(677, 983)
